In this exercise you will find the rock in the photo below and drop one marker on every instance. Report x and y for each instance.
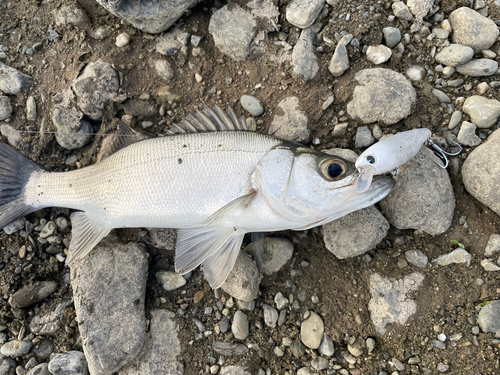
(69, 363)
(16, 348)
(478, 68)
(281, 301)
(15, 226)
(292, 125)
(240, 325)
(455, 119)
(12, 81)
(489, 317)
(164, 69)
(147, 15)
(44, 350)
(378, 54)
(109, 288)
(303, 13)
(420, 9)
(72, 131)
(228, 349)
(415, 73)
(364, 137)
(94, 87)
(472, 29)
(164, 239)
(459, 256)
(423, 196)
(493, 245)
(417, 258)
(171, 42)
(13, 136)
(441, 33)
(311, 331)
(8, 366)
(401, 11)
(481, 172)
(370, 344)
(392, 36)
(42, 369)
(483, 112)
(49, 323)
(252, 105)
(233, 30)
(139, 108)
(488, 265)
(304, 61)
(326, 346)
(122, 40)
(381, 95)
(270, 253)
(390, 302)
(443, 98)
(32, 293)
(48, 229)
(5, 108)
(170, 280)
(340, 60)
(467, 135)
(71, 14)
(30, 108)
(355, 233)
(270, 315)
(244, 279)
(454, 55)
(320, 363)
(233, 370)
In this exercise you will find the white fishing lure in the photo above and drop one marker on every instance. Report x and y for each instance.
(388, 154)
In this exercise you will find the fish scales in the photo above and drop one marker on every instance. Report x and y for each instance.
(156, 182)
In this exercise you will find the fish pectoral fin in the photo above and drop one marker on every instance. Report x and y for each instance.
(85, 235)
(237, 204)
(216, 247)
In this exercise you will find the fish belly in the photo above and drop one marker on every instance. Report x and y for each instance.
(167, 182)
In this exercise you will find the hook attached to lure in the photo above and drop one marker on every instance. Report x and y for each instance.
(440, 153)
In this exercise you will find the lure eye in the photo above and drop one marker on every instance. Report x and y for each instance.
(370, 159)
(333, 169)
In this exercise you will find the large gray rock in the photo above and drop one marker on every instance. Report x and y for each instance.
(481, 172)
(151, 16)
(161, 349)
(454, 55)
(244, 279)
(97, 84)
(483, 112)
(109, 290)
(472, 29)
(423, 196)
(391, 300)
(292, 126)
(233, 30)
(478, 68)
(5, 108)
(12, 81)
(356, 233)
(381, 95)
(305, 62)
(489, 317)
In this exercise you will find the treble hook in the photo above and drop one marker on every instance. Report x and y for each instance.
(440, 153)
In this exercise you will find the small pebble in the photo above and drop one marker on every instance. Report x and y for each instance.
(252, 105)
(441, 367)
(122, 40)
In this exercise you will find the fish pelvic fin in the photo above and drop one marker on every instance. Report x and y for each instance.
(84, 236)
(215, 247)
(15, 173)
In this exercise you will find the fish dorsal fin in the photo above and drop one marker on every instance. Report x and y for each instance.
(214, 244)
(123, 137)
(85, 235)
(209, 120)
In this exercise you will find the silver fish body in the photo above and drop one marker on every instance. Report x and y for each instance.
(215, 186)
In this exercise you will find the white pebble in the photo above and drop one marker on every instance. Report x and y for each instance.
(198, 77)
(122, 40)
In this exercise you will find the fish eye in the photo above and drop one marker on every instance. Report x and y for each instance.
(333, 169)
(370, 159)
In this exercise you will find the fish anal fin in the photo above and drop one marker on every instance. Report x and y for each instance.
(85, 236)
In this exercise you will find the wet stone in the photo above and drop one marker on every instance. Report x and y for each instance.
(467, 135)
(311, 331)
(417, 258)
(32, 293)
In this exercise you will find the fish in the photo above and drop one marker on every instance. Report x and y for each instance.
(388, 154)
(210, 177)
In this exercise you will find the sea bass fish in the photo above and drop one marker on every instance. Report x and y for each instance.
(214, 180)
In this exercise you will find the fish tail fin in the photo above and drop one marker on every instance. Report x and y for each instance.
(15, 172)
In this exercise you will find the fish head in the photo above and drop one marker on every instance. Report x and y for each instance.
(318, 187)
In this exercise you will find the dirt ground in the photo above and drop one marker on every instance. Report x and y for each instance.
(449, 296)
